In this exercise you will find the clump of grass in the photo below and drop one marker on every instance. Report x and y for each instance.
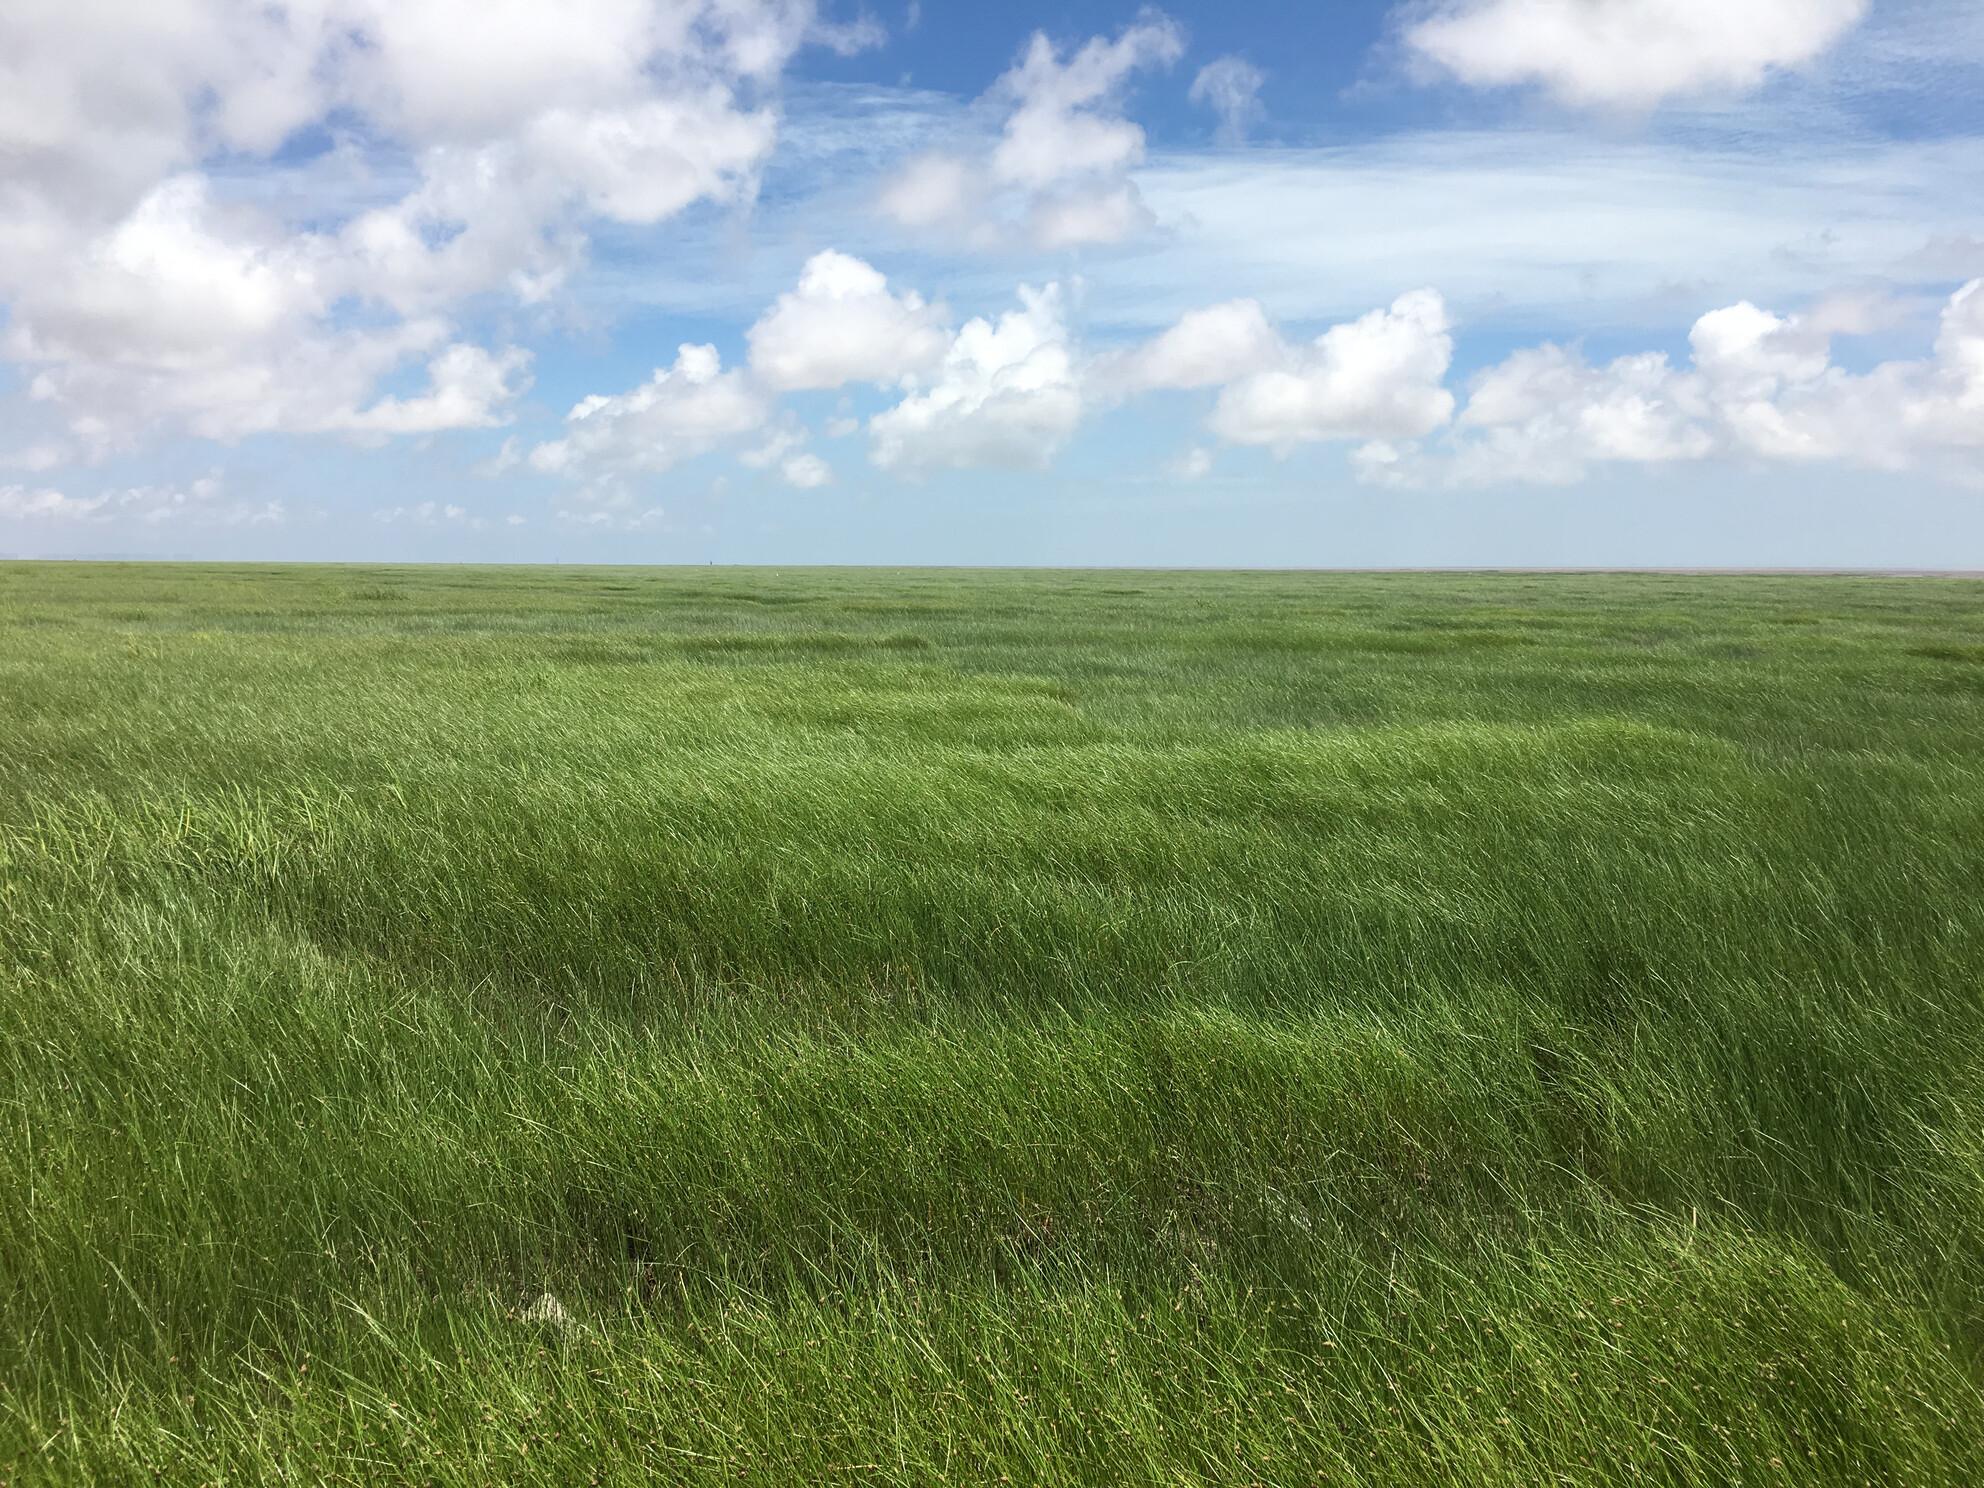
(1060, 1028)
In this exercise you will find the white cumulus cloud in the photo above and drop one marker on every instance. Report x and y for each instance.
(1058, 174)
(1207, 347)
(683, 410)
(1628, 53)
(1066, 119)
(784, 450)
(467, 388)
(1007, 394)
(1758, 386)
(1378, 377)
(136, 297)
(843, 324)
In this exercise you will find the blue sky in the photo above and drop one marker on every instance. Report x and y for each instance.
(1615, 282)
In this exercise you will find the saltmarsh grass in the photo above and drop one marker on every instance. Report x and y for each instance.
(942, 1027)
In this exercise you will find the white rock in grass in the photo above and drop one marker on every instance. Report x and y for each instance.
(547, 1311)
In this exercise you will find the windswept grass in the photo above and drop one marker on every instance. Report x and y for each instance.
(676, 1026)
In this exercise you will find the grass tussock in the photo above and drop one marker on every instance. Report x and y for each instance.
(633, 1026)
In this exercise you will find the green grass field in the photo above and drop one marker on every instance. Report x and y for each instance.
(635, 1026)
